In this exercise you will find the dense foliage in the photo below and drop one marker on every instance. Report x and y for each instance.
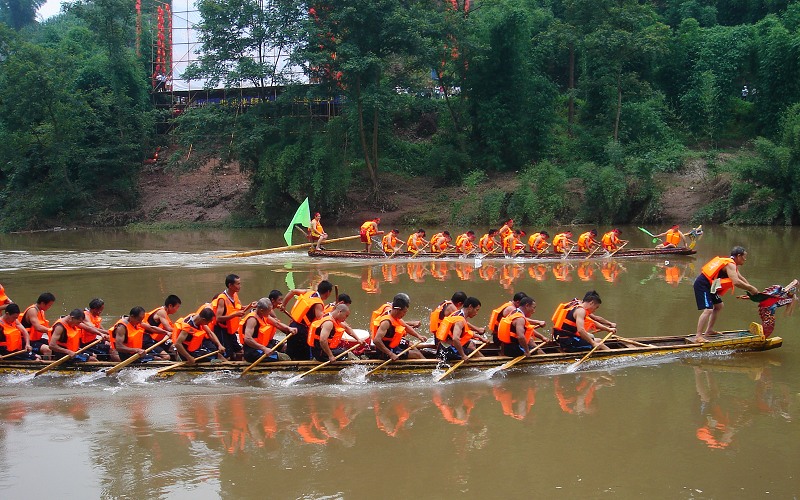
(584, 100)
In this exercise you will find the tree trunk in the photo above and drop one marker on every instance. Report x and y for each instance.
(571, 85)
(363, 137)
(619, 106)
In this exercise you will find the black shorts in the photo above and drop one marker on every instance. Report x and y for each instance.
(36, 345)
(101, 351)
(396, 350)
(148, 341)
(571, 343)
(512, 350)
(206, 347)
(320, 355)
(24, 356)
(230, 341)
(449, 353)
(702, 294)
(297, 345)
(251, 355)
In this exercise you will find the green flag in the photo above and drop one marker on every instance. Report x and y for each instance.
(289, 276)
(302, 217)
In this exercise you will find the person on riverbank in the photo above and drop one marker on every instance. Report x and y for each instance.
(193, 338)
(257, 330)
(36, 322)
(573, 320)
(65, 338)
(517, 333)
(389, 339)
(129, 332)
(611, 241)
(487, 244)
(325, 334)
(92, 328)
(15, 336)
(316, 231)
(538, 242)
(390, 242)
(308, 307)
(228, 310)
(587, 241)
(368, 230)
(416, 242)
(673, 237)
(716, 277)
(501, 312)
(160, 317)
(455, 334)
(4, 300)
(562, 242)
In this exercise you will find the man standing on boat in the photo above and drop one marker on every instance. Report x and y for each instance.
(573, 320)
(316, 232)
(368, 230)
(228, 310)
(517, 331)
(717, 276)
(673, 238)
(308, 307)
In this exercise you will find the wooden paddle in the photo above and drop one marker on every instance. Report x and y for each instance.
(399, 247)
(122, 364)
(630, 341)
(64, 359)
(390, 360)
(420, 250)
(449, 247)
(520, 358)
(543, 249)
(569, 251)
(574, 367)
(264, 356)
(455, 366)
(282, 249)
(592, 252)
(4, 356)
(328, 362)
(183, 363)
(618, 249)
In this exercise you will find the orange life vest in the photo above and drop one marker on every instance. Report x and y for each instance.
(316, 328)
(437, 315)
(395, 332)
(315, 232)
(505, 332)
(96, 321)
(610, 241)
(463, 244)
(73, 334)
(534, 246)
(389, 242)
(436, 244)
(673, 237)
(33, 334)
(585, 241)
(377, 313)
(564, 319)
(369, 228)
(497, 315)
(231, 325)
(12, 337)
(712, 269)
(195, 337)
(560, 242)
(504, 231)
(264, 330)
(134, 335)
(303, 306)
(486, 244)
(445, 330)
(414, 242)
(151, 320)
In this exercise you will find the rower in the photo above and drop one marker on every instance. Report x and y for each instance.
(538, 242)
(368, 230)
(65, 337)
(385, 308)
(487, 244)
(308, 307)
(465, 243)
(673, 237)
(128, 335)
(4, 300)
(390, 333)
(446, 308)
(506, 229)
(228, 311)
(257, 330)
(92, 328)
(517, 331)
(501, 312)
(562, 242)
(15, 336)
(416, 241)
(455, 334)
(325, 334)
(573, 320)
(512, 243)
(717, 276)
(193, 340)
(316, 232)
(390, 243)
(611, 241)
(38, 327)
(440, 241)
(587, 241)
(160, 317)
(342, 298)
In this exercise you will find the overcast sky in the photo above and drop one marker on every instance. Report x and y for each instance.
(49, 9)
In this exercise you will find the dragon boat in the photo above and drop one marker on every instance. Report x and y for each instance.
(575, 255)
(752, 339)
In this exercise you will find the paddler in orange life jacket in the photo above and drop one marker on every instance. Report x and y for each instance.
(465, 243)
(487, 244)
(316, 232)
(92, 327)
(440, 241)
(14, 335)
(517, 331)
(390, 242)
(717, 276)
(501, 312)
(562, 242)
(587, 241)
(455, 334)
(444, 309)
(416, 242)
(160, 317)
(368, 230)
(308, 307)
(390, 332)
(538, 242)
(506, 229)
(34, 320)
(611, 241)
(325, 334)
(193, 339)
(4, 300)
(512, 243)
(342, 298)
(129, 334)
(673, 237)
(65, 337)
(572, 321)
(257, 330)
(228, 311)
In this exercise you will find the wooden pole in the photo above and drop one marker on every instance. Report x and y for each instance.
(390, 360)
(64, 359)
(264, 356)
(182, 363)
(4, 356)
(520, 358)
(574, 367)
(119, 366)
(327, 362)
(282, 249)
(455, 366)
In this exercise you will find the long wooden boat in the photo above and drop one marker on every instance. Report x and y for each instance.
(575, 255)
(727, 342)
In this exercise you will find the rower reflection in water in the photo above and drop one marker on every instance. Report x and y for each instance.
(515, 404)
(575, 394)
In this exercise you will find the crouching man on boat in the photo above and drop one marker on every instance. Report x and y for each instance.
(65, 337)
(517, 331)
(573, 320)
(257, 330)
(14, 335)
(717, 276)
(193, 338)
(501, 312)
(128, 336)
(390, 333)
(92, 328)
(325, 334)
(455, 334)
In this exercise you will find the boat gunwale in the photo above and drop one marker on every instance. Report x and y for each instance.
(401, 255)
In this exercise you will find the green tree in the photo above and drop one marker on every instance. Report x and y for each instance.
(19, 13)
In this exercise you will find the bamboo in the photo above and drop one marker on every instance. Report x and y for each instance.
(574, 366)
(119, 366)
(282, 249)
(618, 249)
(455, 366)
(520, 358)
(4, 356)
(631, 341)
(327, 362)
(390, 360)
(64, 359)
(264, 356)
(183, 363)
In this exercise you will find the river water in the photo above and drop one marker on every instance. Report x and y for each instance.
(721, 426)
